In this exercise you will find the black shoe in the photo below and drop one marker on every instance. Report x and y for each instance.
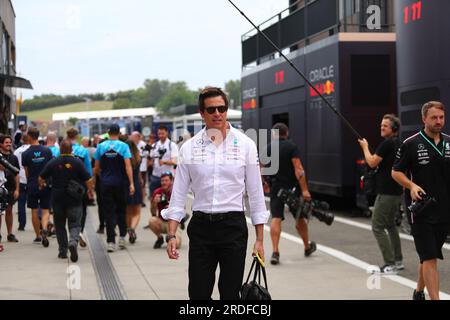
(62, 255)
(101, 230)
(83, 243)
(185, 219)
(132, 236)
(21, 228)
(158, 244)
(418, 295)
(12, 238)
(143, 205)
(73, 253)
(275, 258)
(312, 248)
(45, 241)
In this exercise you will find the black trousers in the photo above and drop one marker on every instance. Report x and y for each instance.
(72, 216)
(211, 243)
(114, 203)
(84, 215)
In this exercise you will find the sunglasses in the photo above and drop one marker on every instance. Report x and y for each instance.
(212, 110)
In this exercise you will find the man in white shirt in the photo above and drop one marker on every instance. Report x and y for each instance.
(220, 164)
(23, 184)
(164, 158)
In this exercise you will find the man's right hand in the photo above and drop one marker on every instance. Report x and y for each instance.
(307, 196)
(157, 198)
(415, 192)
(172, 251)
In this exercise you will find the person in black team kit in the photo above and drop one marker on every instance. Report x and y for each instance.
(387, 203)
(34, 160)
(113, 164)
(422, 166)
(66, 172)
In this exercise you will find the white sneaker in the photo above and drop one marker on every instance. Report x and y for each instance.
(122, 243)
(111, 247)
(388, 269)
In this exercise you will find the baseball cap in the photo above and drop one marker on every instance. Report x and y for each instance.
(114, 129)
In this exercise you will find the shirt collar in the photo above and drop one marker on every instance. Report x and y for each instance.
(441, 138)
(231, 134)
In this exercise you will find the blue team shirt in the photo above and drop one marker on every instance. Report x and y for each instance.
(83, 154)
(55, 151)
(35, 159)
(111, 155)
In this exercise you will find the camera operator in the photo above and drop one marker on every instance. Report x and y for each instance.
(422, 166)
(387, 202)
(163, 158)
(136, 137)
(12, 184)
(289, 175)
(160, 201)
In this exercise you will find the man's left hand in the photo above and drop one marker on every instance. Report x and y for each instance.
(259, 248)
(16, 194)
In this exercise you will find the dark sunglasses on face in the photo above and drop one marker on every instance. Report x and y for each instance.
(212, 110)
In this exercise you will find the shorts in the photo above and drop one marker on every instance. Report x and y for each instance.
(277, 206)
(38, 198)
(429, 240)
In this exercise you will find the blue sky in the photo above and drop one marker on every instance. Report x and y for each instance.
(78, 46)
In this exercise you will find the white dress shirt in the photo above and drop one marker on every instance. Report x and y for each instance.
(18, 153)
(219, 177)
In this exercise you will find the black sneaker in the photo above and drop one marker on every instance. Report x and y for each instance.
(12, 238)
(418, 295)
(132, 236)
(312, 248)
(38, 240)
(83, 243)
(45, 241)
(183, 222)
(73, 253)
(143, 205)
(62, 255)
(158, 244)
(275, 258)
(101, 230)
(21, 228)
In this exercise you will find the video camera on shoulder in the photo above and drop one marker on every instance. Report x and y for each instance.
(8, 166)
(418, 207)
(304, 209)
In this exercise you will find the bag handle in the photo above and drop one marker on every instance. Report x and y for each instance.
(251, 269)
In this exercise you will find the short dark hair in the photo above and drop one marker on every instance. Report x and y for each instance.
(65, 147)
(395, 122)
(211, 92)
(4, 137)
(163, 127)
(283, 129)
(72, 133)
(33, 133)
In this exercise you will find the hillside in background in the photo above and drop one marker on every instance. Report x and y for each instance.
(47, 114)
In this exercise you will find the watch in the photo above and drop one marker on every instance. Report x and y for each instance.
(170, 237)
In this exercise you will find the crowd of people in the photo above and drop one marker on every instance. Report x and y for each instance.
(61, 176)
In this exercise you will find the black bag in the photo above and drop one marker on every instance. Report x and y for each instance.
(253, 290)
(370, 184)
(75, 190)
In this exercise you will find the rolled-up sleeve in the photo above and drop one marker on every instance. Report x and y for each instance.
(258, 211)
(176, 210)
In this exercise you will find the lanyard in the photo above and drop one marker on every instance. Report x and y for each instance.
(433, 145)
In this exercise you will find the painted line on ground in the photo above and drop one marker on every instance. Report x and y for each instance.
(352, 261)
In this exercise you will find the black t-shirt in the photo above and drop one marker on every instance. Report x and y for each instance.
(10, 184)
(420, 160)
(62, 170)
(35, 158)
(285, 177)
(384, 182)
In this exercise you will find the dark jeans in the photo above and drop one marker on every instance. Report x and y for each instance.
(71, 215)
(220, 242)
(114, 206)
(22, 205)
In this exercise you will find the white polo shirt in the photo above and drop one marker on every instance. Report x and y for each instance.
(171, 154)
(219, 177)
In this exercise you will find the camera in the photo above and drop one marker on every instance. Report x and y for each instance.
(304, 209)
(148, 147)
(164, 201)
(3, 199)
(8, 166)
(418, 207)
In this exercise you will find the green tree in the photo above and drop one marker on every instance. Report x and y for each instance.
(233, 88)
(177, 94)
(72, 121)
(122, 103)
